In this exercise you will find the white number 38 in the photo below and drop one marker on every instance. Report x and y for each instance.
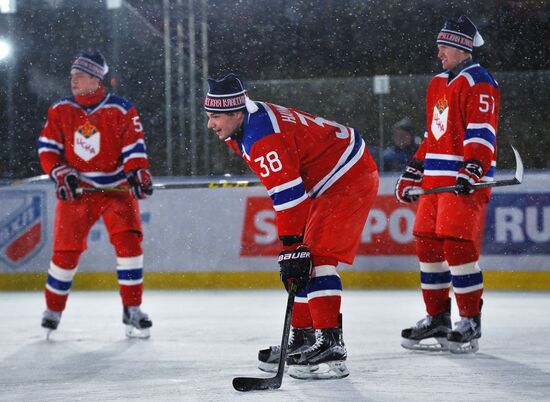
(273, 163)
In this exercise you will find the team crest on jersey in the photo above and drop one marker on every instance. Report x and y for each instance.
(86, 141)
(440, 116)
(22, 225)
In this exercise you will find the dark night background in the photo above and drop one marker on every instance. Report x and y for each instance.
(316, 55)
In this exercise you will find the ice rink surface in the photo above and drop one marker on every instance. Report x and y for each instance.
(202, 339)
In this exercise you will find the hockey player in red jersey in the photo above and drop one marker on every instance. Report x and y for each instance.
(95, 139)
(322, 182)
(459, 148)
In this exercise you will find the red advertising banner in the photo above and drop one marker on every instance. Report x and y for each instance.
(388, 230)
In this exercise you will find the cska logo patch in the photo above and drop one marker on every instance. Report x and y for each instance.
(87, 141)
(439, 119)
(22, 225)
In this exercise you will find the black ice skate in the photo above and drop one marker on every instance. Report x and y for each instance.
(325, 359)
(299, 340)
(50, 321)
(464, 338)
(430, 333)
(137, 323)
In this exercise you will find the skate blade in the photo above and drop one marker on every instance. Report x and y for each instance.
(464, 348)
(270, 367)
(431, 345)
(322, 371)
(135, 333)
(49, 333)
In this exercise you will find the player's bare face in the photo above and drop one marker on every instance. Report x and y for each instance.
(450, 56)
(82, 83)
(224, 124)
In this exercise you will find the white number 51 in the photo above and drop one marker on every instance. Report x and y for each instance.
(485, 105)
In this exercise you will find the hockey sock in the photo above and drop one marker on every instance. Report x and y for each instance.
(301, 318)
(324, 292)
(130, 279)
(129, 266)
(435, 277)
(61, 273)
(462, 256)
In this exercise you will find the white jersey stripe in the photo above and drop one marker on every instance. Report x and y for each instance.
(290, 204)
(435, 286)
(324, 293)
(284, 186)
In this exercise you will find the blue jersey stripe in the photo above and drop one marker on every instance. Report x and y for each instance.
(137, 148)
(106, 179)
(119, 101)
(431, 278)
(256, 126)
(330, 282)
(442, 164)
(480, 75)
(130, 274)
(464, 281)
(289, 194)
(356, 148)
(483, 133)
(42, 145)
(59, 285)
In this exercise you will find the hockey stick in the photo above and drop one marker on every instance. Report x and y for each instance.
(245, 384)
(518, 179)
(177, 186)
(29, 180)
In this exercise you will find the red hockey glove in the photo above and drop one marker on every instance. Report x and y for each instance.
(66, 182)
(141, 182)
(295, 268)
(412, 177)
(469, 174)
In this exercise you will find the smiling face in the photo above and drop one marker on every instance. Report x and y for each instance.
(451, 56)
(82, 83)
(224, 124)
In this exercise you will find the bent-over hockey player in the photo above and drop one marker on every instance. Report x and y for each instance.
(95, 139)
(459, 148)
(322, 182)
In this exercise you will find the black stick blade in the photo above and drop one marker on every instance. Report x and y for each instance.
(245, 384)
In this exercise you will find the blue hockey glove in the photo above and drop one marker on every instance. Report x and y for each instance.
(469, 174)
(295, 268)
(141, 182)
(411, 177)
(66, 182)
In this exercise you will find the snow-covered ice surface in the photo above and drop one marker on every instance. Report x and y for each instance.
(202, 339)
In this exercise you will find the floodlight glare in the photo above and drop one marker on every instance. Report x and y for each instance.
(113, 4)
(5, 49)
(7, 6)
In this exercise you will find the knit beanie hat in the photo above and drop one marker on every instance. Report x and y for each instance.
(91, 63)
(460, 33)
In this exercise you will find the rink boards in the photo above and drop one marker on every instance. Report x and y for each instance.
(227, 238)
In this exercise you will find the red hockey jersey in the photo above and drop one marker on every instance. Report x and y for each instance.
(297, 156)
(101, 143)
(461, 119)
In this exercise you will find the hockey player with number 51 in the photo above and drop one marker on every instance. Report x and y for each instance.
(95, 139)
(322, 182)
(459, 148)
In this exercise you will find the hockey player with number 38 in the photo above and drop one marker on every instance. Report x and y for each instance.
(322, 182)
(459, 148)
(95, 139)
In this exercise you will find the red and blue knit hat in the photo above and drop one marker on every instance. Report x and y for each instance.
(91, 63)
(461, 34)
(227, 95)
